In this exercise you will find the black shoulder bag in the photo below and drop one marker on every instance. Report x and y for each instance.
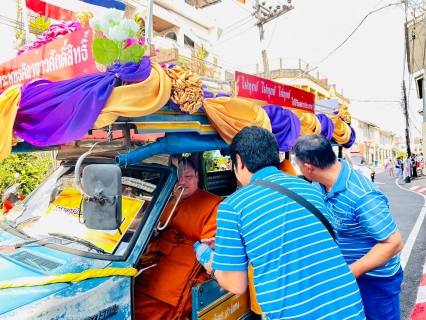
(302, 201)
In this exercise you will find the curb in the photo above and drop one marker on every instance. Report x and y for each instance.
(419, 310)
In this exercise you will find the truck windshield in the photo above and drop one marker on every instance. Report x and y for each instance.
(54, 212)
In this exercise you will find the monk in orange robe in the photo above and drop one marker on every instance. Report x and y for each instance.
(163, 289)
(287, 167)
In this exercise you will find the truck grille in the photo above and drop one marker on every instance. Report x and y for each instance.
(35, 261)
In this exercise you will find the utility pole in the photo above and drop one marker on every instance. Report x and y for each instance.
(424, 94)
(149, 22)
(264, 14)
(407, 126)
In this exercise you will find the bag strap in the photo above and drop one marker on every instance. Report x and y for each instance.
(302, 201)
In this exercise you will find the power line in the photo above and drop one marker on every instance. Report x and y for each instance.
(241, 7)
(225, 33)
(362, 21)
(272, 35)
(236, 23)
(236, 35)
(414, 125)
(374, 101)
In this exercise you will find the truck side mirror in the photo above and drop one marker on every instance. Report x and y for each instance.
(102, 207)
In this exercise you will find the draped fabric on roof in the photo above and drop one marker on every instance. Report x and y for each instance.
(230, 115)
(138, 99)
(351, 139)
(46, 113)
(53, 113)
(327, 126)
(342, 132)
(309, 123)
(9, 103)
(285, 126)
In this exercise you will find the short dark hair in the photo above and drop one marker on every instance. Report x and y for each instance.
(316, 150)
(186, 161)
(257, 148)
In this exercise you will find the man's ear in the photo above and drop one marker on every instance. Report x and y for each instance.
(240, 163)
(196, 176)
(309, 167)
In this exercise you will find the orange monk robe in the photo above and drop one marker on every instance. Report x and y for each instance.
(287, 167)
(164, 291)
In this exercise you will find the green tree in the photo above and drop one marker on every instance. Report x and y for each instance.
(33, 168)
(401, 154)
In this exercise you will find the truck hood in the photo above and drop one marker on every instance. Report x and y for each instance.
(36, 261)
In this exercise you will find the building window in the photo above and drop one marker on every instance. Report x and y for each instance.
(171, 35)
(188, 41)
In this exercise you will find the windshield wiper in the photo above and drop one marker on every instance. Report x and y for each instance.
(15, 229)
(78, 240)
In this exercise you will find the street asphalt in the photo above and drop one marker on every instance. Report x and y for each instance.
(406, 207)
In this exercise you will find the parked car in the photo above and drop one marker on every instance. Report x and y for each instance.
(359, 163)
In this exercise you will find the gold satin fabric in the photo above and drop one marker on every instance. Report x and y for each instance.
(309, 123)
(9, 103)
(230, 115)
(137, 100)
(342, 132)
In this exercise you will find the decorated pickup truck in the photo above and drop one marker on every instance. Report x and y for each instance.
(71, 249)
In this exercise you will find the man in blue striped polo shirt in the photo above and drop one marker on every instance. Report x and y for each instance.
(365, 230)
(299, 272)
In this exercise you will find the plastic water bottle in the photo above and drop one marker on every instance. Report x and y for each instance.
(202, 252)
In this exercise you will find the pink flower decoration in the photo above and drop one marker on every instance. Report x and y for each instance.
(55, 31)
(129, 42)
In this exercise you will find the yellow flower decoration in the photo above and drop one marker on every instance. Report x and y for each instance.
(83, 16)
(344, 113)
(186, 89)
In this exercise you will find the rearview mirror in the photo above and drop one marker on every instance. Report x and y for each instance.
(102, 183)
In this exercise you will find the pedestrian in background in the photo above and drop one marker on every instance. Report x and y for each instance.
(413, 166)
(391, 170)
(406, 165)
(366, 233)
(299, 272)
(398, 167)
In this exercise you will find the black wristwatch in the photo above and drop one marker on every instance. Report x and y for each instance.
(212, 274)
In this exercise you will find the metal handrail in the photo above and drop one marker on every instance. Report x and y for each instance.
(173, 210)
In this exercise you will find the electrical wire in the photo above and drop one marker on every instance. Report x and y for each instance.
(362, 21)
(414, 125)
(227, 32)
(241, 7)
(236, 35)
(273, 31)
(236, 23)
(379, 101)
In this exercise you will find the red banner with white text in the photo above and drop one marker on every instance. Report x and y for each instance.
(64, 58)
(49, 10)
(274, 93)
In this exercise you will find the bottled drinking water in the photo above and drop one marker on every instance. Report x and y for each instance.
(202, 252)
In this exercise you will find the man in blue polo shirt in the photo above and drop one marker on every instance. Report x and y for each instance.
(365, 231)
(299, 272)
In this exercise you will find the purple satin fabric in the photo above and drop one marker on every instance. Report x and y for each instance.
(206, 93)
(285, 126)
(327, 126)
(52, 113)
(351, 140)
